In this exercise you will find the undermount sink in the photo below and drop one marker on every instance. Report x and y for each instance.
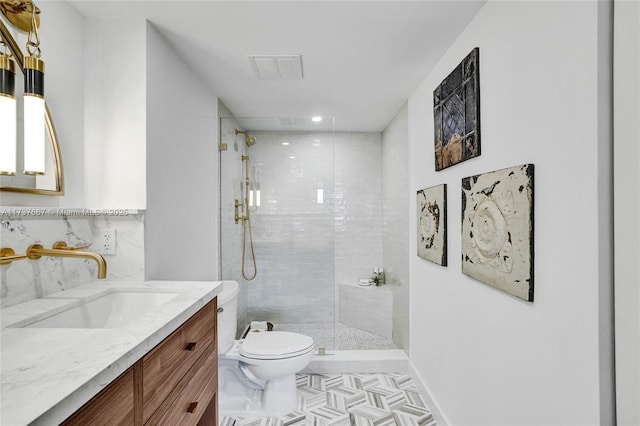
(113, 310)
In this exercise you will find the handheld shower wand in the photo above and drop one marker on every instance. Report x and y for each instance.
(246, 222)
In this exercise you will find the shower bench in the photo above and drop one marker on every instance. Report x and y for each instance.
(368, 308)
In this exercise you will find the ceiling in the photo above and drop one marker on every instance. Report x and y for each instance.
(361, 60)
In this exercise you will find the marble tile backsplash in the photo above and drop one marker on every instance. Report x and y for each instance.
(28, 279)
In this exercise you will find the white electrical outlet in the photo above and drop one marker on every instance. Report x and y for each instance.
(107, 241)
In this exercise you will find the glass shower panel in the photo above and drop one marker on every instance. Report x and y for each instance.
(291, 181)
(231, 189)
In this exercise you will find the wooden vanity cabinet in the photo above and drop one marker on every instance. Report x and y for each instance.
(176, 383)
(112, 406)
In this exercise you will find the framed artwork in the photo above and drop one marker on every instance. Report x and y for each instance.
(456, 114)
(432, 224)
(497, 229)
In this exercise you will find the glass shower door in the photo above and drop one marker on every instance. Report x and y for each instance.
(291, 181)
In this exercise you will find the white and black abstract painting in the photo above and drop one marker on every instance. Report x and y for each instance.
(497, 229)
(432, 224)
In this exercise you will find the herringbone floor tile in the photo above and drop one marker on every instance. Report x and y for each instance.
(350, 399)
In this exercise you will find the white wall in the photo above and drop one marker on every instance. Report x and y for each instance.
(115, 110)
(395, 224)
(627, 209)
(181, 237)
(62, 43)
(486, 357)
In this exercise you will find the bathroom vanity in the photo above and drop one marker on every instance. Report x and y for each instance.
(159, 368)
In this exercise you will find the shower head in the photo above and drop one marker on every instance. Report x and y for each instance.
(250, 140)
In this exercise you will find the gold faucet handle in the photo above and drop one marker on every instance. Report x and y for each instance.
(8, 255)
(61, 245)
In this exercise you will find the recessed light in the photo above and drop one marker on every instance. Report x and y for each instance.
(285, 143)
(293, 157)
(316, 119)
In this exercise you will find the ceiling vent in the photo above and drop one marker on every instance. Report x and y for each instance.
(277, 67)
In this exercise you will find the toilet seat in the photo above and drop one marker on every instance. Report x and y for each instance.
(275, 345)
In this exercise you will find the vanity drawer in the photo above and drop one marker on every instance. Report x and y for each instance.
(193, 400)
(199, 331)
(167, 363)
(112, 406)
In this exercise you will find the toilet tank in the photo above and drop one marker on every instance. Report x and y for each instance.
(227, 315)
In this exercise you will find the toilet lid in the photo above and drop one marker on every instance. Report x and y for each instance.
(275, 344)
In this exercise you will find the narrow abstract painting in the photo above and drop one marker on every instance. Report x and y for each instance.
(497, 229)
(456, 114)
(432, 224)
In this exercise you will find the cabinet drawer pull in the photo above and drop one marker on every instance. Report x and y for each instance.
(192, 407)
(190, 346)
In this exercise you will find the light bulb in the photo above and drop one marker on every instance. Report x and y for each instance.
(34, 116)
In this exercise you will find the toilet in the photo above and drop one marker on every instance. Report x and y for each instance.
(257, 374)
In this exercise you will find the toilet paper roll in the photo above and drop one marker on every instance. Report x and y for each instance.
(258, 326)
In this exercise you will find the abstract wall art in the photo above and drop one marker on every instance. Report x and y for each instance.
(456, 114)
(497, 229)
(432, 224)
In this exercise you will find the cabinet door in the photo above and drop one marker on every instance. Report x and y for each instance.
(112, 406)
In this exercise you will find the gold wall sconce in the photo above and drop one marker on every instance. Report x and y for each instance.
(39, 131)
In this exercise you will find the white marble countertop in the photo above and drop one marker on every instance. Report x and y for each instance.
(48, 373)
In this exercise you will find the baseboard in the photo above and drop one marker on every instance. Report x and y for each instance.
(359, 361)
(430, 400)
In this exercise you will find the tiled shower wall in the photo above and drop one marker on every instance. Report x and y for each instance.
(358, 205)
(395, 196)
(305, 246)
(29, 279)
(293, 228)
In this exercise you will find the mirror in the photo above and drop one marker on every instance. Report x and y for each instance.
(52, 182)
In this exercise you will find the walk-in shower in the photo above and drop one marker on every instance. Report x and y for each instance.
(309, 199)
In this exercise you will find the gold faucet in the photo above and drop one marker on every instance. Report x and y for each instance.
(60, 249)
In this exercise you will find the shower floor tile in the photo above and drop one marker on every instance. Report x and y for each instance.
(350, 399)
